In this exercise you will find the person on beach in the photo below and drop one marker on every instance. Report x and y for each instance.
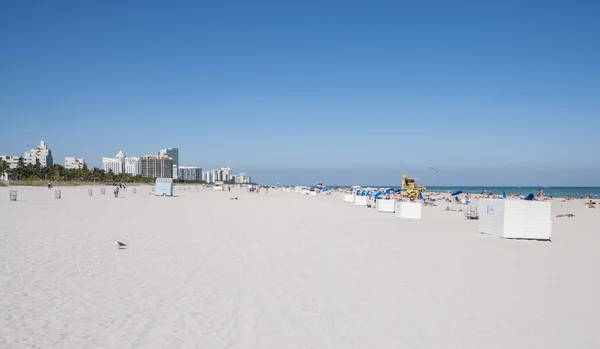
(116, 191)
(591, 204)
(49, 185)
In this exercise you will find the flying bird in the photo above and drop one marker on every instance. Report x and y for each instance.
(120, 245)
(431, 168)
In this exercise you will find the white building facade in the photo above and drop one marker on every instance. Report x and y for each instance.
(13, 161)
(207, 176)
(190, 173)
(39, 155)
(74, 163)
(242, 178)
(131, 166)
(116, 164)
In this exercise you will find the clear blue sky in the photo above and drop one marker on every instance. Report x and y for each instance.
(488, 92)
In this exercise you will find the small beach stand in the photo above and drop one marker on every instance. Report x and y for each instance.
(384, 205)
(408, 210)
(163, 187)
(360, 200)
(349, 198)
(515, 219)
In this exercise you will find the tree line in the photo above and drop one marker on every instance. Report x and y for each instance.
(24, 172)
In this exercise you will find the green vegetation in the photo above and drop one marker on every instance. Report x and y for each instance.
(35, 175)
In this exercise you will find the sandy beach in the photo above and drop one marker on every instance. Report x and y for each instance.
(281, 270)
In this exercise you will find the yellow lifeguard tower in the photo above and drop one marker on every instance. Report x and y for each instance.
(409, 188)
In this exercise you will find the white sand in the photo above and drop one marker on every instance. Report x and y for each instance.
(281, 270)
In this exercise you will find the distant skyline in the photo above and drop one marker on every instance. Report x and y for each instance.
(493, 92)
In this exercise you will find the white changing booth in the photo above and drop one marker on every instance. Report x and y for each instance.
(385, 205)
(163, 187)
(361, 200)
(348, 198)
(409, 210)
(515, 219)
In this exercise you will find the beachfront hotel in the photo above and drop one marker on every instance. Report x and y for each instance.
(116, 164)
(190, 173)
(242, 178)
(13, 161)
(152, 166)
(131, 165)
(74, 163)
(39, 155)
(173, 153)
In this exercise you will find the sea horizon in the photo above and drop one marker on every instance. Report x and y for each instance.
(554, 191)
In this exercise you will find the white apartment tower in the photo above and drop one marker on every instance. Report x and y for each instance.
(131, 166)
(116, 164)
(74, 163)
(40, 155)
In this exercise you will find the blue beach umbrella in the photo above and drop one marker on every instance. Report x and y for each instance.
(457, 192)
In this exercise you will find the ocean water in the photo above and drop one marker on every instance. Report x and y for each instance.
(549, 191)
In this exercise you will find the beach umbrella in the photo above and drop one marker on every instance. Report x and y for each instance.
(457, 192)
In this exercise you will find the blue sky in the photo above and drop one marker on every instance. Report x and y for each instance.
(496, 93)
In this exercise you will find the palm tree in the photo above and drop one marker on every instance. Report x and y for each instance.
(4, 166)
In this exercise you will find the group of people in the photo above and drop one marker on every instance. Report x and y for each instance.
(117, 188)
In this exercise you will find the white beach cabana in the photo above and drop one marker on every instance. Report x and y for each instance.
(163, 187)
(409, 210)
(384, 205)
(348, 197)
(515, 219)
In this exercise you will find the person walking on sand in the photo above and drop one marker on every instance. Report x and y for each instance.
(116, 191)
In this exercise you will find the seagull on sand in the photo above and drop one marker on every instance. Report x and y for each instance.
(120, 245)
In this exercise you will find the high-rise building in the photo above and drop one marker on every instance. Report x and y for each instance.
(152, 166)
(208, 177)
(226, 174)
(215, 175)
(131, 166)
(13, 162)
(190, 173)
(242, 178)
(116, 164)
(173, 153)
(39, 155)
(74, 163)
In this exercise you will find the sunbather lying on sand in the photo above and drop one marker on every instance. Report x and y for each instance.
(452, 209)
(235, 198)
(565, 215)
